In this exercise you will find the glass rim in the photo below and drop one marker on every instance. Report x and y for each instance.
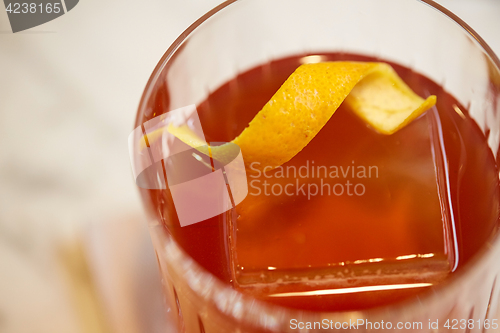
(186, 33)
(394, 308)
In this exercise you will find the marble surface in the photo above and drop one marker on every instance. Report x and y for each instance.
(69, 90)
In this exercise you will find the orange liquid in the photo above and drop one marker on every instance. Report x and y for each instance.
(404, 224)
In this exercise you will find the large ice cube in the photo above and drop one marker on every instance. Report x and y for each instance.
(317, 225)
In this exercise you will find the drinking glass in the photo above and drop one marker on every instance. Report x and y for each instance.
(241, 34)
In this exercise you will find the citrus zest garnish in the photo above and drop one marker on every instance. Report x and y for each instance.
(309, 98)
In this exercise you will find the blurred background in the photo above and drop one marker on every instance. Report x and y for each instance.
(75, 254)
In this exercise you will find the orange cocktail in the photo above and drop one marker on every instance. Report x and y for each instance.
(357, 225)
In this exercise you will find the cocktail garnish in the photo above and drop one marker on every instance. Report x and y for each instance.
(309, 98)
